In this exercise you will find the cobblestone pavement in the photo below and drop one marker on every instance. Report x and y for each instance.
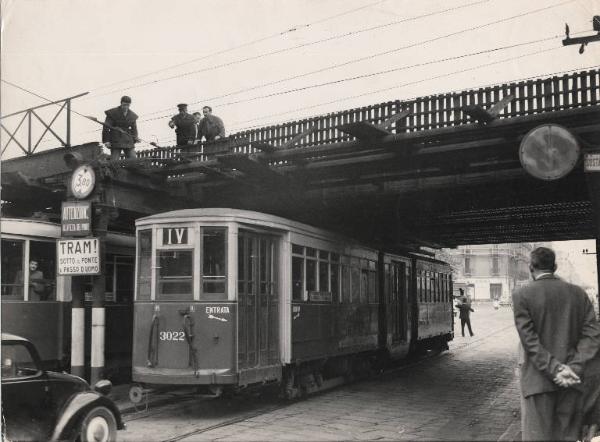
(469, 393)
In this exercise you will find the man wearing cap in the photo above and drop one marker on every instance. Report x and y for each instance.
(120, 130)
(210, 126)
(185, 126)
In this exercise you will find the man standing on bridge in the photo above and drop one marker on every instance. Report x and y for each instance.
(185, 126)
(559, 333)
(120, 130)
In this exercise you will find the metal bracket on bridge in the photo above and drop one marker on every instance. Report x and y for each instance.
(269, 148)
(249, 166)
(366, 131)
(482, 115)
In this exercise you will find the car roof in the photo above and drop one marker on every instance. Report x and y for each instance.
(11, 337)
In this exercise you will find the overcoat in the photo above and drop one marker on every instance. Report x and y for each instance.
(115, 120)
(557, 325)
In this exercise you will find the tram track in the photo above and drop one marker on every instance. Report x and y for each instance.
(173, 404)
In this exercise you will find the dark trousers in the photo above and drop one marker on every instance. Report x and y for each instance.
(115, 154)
(554, 416)
(464, 321)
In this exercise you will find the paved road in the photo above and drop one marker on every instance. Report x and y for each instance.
(469, 393)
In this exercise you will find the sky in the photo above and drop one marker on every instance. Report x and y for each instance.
(218, 53)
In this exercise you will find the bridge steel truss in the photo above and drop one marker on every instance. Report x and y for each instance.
(441, 170)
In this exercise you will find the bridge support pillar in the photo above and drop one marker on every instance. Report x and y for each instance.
(77, 327)
(98, 294)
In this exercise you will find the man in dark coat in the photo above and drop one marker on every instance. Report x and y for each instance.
(120, 130)
(464, 307)
(559, 333)
(185, 126)
(211, 126)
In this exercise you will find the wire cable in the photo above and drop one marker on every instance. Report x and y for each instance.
(388, 52)
(371, 74)
(396, 86)
(243, 45)
(291, 48)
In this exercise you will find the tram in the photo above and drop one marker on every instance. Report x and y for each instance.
(36, 302)
(226, 299)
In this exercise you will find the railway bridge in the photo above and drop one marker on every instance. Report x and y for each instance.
(436, 171)
(441, 170)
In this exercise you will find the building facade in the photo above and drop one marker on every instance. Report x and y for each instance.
(492, 271)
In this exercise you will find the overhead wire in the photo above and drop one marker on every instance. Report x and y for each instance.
(377, 73)
(243, 45)
(291, 48)
(379, 54)
(396, 86)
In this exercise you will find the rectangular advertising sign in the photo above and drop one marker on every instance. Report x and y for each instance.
(76, 218)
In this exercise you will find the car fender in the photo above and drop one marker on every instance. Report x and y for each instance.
(76, 407)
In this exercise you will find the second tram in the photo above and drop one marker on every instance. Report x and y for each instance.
(228, 298)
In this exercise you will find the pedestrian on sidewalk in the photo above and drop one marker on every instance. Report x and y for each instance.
(559, 333)
(465, 309)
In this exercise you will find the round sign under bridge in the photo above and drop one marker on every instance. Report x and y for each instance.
(549, 152)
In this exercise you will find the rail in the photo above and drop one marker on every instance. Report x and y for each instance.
(556, 93)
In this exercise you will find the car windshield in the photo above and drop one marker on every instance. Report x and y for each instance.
(17, 361)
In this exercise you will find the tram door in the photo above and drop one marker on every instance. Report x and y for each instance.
(258, 334)
(399, 301)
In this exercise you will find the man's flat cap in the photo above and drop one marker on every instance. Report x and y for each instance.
(181, 106)
(125, 99)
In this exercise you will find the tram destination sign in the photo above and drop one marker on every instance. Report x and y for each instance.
(76, 218)
(78, 256)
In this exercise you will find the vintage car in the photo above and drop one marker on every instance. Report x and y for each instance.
(44, 405)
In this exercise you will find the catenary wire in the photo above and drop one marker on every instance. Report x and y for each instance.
(288, 49)
(242, 45)
(396, 86)
(370, 74)
(387, 52)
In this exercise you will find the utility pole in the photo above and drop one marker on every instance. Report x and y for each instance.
(583, 41)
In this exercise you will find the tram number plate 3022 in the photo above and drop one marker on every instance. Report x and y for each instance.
(171, 336)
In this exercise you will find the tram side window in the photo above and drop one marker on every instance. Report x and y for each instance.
(323, 271)
(297, 278)
(214, 270)
(346, 283)
(175, 274)
(355, 279)
(144, 270)
(334, 276)
(12, 269)
(42, 271)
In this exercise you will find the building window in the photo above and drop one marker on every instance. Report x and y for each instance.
(467, 265)
(495, 265)
(495, 292)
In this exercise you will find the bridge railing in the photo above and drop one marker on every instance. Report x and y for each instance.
(556, 93)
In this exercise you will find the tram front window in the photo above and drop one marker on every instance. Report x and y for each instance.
(214, 270)
(175, 274)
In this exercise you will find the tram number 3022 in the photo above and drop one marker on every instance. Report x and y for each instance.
(171, 336)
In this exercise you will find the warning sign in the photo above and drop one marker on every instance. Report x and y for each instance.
(78, 256)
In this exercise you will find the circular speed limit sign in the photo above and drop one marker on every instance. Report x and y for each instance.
(83, 181)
